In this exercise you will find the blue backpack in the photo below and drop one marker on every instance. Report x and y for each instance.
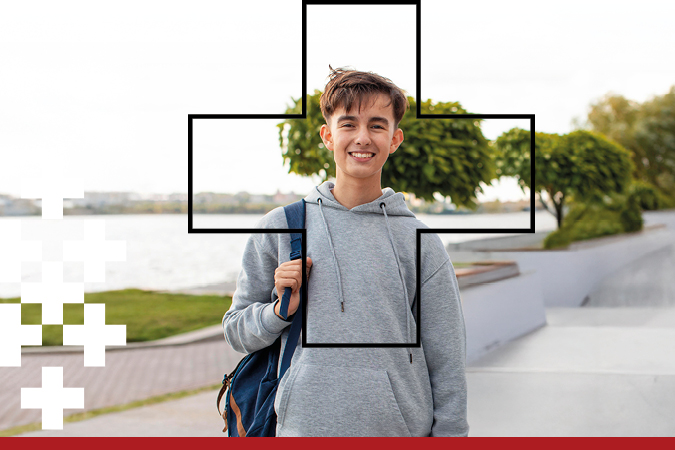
(249, 409)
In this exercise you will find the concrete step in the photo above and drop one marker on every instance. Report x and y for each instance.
(486, 273)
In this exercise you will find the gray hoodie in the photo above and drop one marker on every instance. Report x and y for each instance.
(361, 289)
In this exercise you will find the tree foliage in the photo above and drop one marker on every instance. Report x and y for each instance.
(615, 117)
(300, 141)
(446, 156)
(647, 130)
(646, 196)
(655, 136)
(614, 214)
(512, 150)
(581, 165)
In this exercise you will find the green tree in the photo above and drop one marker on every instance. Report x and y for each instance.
(446, 156)
(300, 141)
(615, 116)
(647, 130)
(512, 150)
(655, 136)
(581, 165)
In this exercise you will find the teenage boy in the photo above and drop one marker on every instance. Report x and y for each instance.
(361, 250)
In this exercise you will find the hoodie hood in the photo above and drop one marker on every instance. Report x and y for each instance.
(394, 202)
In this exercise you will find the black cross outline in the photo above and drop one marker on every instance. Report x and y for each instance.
(303, 115)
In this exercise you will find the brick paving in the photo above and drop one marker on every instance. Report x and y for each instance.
(128, 375)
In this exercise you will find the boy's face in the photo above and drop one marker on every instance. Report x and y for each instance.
(361, 141)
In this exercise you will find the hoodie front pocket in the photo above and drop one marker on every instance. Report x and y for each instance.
(339, 401)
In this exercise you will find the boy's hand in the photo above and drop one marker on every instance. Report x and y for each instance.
(289, 274)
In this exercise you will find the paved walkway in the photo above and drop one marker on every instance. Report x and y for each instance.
(193, 416)
(589, 372)
(592, 371)
(128, 375)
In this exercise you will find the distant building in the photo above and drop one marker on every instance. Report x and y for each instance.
(178, 197)
(257, 198)
(100, 199)
(11, 206)
(284, 199)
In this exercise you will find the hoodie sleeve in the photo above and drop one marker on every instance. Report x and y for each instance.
(444, 341)
(251, 324)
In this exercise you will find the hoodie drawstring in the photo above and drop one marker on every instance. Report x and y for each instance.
(337, 268)
(400, 274)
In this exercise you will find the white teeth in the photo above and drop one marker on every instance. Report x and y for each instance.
(363, 155)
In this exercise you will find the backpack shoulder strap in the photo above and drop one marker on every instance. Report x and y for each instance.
(295, 216)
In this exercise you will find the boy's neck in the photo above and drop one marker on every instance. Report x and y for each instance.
(352, 193)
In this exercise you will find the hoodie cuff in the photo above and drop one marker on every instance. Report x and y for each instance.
(273, 323)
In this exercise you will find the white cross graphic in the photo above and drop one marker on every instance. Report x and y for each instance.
(52, 233)
(94, 335)
(52, 292)
(52, 398)
(94, 251)
(13, 335)
(13, 251)
(52, 190)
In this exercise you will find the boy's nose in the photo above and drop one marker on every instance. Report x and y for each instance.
(363, 138)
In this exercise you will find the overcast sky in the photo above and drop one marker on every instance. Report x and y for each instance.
(101, 90)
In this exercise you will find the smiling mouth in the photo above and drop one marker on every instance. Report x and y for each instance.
(361, 155)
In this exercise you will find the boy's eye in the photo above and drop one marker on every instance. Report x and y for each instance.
(352, 126)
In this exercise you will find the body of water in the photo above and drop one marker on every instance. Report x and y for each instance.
(162, 255)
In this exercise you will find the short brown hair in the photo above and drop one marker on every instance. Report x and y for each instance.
(346, 87)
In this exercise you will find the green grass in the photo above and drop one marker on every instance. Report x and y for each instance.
(37, 426)
(148, 315)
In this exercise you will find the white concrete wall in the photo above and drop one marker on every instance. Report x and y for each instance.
(495, 313)
(568, 276)
(666, 217)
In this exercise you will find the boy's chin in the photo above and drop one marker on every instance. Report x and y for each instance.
(362, 175)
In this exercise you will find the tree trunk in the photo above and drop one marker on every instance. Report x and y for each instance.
(559, 211)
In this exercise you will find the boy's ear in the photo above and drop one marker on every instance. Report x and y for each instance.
(326, 137)
(396, 140)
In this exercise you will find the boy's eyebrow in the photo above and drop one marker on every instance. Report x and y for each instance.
(372, 119)
(342, 118)
(379, 119)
